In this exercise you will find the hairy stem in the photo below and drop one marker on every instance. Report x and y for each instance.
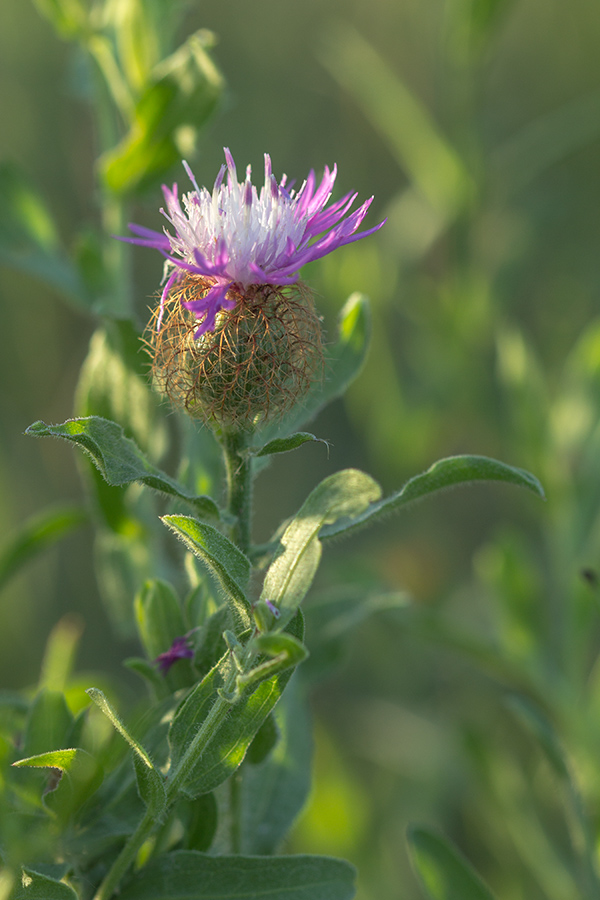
(238, 468)
(126, 857)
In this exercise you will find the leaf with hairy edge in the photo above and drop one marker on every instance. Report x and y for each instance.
(151, 785)
(343, 362)
(37, 533)
(232, 738)
(120, 460)
(347, 493)
(442, 870)
(284, 445)
(444, 473)
(186, 875)
(31, 885)
(224, 561)
(81, 776)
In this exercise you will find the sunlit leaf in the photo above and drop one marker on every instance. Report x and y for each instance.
(443, 474)
(284, 445)
(80, 778)
(345, 494)
(181, 94)
(224, 561)
(119, 460)
(231, 739)
(150, 782)
(49, 723)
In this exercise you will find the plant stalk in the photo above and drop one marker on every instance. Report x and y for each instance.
(126, 857)
(238, 468)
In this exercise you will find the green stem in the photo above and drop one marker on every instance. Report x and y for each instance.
(125, 858)
(217, 714)
(238, 468)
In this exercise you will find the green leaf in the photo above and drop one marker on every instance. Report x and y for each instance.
(411, 133)
(150, 782)
(290, 575)
(232, 738)
(224, 561)
(274, 792)
(119, 460)
(202, 822)
(159, 617)
(151, 787)
(60, 653)
(284, 445)
(443, 872)
(443, 474)
(344, 361)
(48, 724)
(29, 240)
(264, 741)
(283, 650)
(38, 533)
(33, 886)
(150, 675)
(185, 875)
(81, 776)
(181, 95)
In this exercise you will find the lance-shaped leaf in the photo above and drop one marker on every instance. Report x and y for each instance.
(39, 532)
(29, 239)
(80, 776)
(188, 875)
(445, 473)
(119, 459)
(233, 736)
(224, 561)
(347, 493)
(274, 793)
(344, 360)
(284, 445)
(30, 885)
(150, 782)
(181, 94)
(442, 870)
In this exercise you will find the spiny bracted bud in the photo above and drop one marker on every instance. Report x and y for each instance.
(260, 359)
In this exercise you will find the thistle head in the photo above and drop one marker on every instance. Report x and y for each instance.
(236, 336)
(258, 360)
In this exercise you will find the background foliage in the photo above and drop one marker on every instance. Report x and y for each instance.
(476, 124)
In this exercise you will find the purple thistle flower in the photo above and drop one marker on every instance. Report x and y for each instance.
(179, 649)
(239, 237)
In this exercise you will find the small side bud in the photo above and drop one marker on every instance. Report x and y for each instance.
(265, 615)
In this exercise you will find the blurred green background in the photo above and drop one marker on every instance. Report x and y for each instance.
(476, 125)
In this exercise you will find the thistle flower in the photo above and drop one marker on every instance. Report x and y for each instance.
(236, 237)
(236, 336)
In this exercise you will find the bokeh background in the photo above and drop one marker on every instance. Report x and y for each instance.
(476, 125)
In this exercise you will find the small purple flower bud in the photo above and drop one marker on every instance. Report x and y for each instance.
(179, 649)
(276, 612)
